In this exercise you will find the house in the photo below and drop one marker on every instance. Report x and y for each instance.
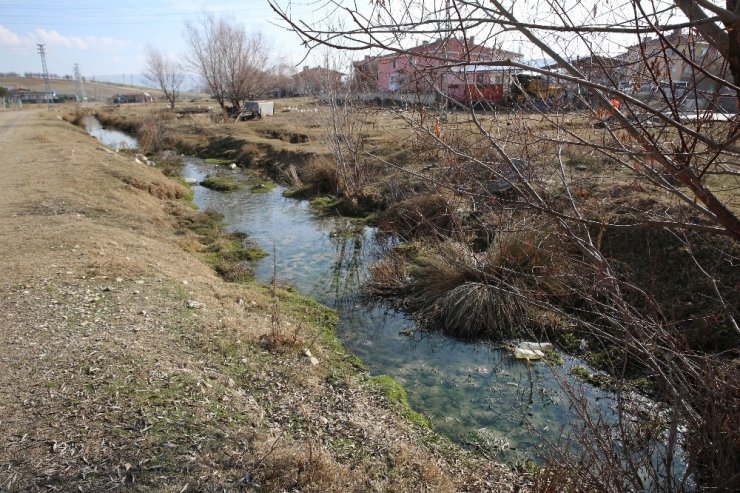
(604, 70)
(429, 68)
(29, 96)
(315, 81)
(682, 64)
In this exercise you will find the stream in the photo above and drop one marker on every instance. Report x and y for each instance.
(474, 393)
(110, 137)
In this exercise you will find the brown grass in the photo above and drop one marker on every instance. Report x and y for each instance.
(468, 294)
(320, 173)
(159, 189)
(425, 215)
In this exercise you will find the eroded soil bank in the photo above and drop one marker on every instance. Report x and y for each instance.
(129, 364)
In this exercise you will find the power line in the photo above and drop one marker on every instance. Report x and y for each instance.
(41, 48)
(79, 88)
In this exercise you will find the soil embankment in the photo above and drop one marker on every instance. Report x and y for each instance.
(128, 363)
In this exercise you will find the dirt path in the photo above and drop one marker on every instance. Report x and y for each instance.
(8, 121)
(128, 365)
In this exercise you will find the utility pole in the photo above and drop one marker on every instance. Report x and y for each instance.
(79, 88)
(41, 48)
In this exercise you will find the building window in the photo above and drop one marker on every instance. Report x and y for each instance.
(394, 64)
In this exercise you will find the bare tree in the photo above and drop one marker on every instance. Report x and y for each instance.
(629, 144)
(233, 64)
(166, 72)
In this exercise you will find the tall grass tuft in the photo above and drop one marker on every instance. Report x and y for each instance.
(430, 215)
(321, 173)
(154, 133)
(468, 294)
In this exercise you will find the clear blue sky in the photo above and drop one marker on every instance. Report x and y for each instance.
(109, 37)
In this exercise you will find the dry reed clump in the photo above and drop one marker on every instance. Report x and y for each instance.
(302, 468)
(76, 117)
(389, 277)
(425, 215)
(320, 173)
(117, 121)
(155, 133)
(291, 175)
(307, 466)
(160, 190)
(248, 154)
(469, 294)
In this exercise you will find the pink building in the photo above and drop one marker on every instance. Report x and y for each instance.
(448, 66)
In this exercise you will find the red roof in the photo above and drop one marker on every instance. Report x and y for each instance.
(437, 48)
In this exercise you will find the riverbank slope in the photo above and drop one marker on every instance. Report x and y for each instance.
(129, 364)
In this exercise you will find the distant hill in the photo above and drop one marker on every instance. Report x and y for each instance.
(96, 90)
(100, 91)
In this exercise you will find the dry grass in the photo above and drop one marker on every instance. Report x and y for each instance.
(472, 294)
(425, 215)
(160, 189)
(155, 133)
(321, 173)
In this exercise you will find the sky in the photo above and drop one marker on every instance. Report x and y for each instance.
(109, 39)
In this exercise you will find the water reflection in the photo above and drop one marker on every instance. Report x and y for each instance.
(474, 392)
(111, 138)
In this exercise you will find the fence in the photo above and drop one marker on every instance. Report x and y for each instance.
(10, 104)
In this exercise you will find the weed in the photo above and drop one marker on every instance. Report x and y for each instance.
(170, 163)
(217, 161)
(595, 379)
(324, 203)
(394, 392)
(554, 358)
(228, 253)
(255, 253)
(220, 183)
(263, 186)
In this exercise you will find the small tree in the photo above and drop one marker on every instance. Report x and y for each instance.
(166, 72)
(233, 64)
